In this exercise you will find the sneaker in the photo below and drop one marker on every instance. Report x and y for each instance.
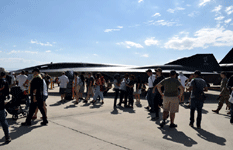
(191, 125)
(172, 125)
(162, 124)
(44, 123)
(154, 118)
(7, 140)
(215, 111)
(231, 121)
(198, 127)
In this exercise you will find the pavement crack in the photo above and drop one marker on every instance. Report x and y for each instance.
(86, 134)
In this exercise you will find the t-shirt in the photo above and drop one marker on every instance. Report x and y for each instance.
(63, 80)
(37, 83)
(21, 80)
(115, 84)
(200, 84)
(45, 90)
(170, 86)
(151, 80)
(89, 80)
(123, 85)
(182, 79)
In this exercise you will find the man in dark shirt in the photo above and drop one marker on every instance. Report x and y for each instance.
(157, 98)
(198, 86)
(130, 86)
(37, 98)
(4, 92)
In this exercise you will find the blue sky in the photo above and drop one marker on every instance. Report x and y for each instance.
(130, 32)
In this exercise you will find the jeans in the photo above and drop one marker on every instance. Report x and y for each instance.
(150, 98)
(116, 96)
(4, 123)
(32, 109)
(131, 101)
(98, 93)
(196, 104)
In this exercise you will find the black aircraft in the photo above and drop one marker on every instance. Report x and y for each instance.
(206, 63)
(227, 63)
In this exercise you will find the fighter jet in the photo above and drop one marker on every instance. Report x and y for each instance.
(206, 63)
(226, 63)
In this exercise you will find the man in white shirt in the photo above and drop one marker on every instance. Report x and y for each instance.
(63, 80)
(182, 78)
(150, 94)
(22, 78)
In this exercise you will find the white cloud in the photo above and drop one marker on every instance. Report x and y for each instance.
(0, 51)
(163, 23)
(171, 10)
(188, 5)
(217, 9)
(48, 51)
(120, 27)
(95, 54)
(203, 2)
(227, 21)
(18, 51)
(229, 10)
(156, 14)
(203, 38)
(130, 44)
(193, 14)
(110, 30)
(40, 43)
(145, 55)
(175, 9)
(139, 1)
(151, 41)
(220, 18)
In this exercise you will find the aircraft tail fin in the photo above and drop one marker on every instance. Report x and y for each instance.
(202, 62)
(228, 59)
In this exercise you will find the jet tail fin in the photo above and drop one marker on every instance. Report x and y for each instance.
(202, 62)
(228, 59)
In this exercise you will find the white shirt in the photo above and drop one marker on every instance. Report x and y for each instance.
(182, 78)
(151, 80)
(45, 90)
(21, 80)
(63, 81)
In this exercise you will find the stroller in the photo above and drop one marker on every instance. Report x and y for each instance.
(14, 106)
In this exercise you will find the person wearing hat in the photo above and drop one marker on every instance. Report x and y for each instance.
(4, 92)
(150, 94)
(170, 97)
(157, 99)
(198, 86)
(36, 92)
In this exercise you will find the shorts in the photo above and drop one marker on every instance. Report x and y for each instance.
(62, 91)
(139, 91)
(44, 98)
(171, 104)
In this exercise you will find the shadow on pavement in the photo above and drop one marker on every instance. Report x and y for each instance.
(114, 112)
(18, 131)
(70, 106)
(210, 137)
(58, 103)
(177, 136)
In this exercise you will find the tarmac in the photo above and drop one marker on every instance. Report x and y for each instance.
(100, 127)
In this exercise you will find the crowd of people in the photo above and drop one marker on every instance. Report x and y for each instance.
(166, 93)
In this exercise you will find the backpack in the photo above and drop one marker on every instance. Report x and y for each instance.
(198, 93)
